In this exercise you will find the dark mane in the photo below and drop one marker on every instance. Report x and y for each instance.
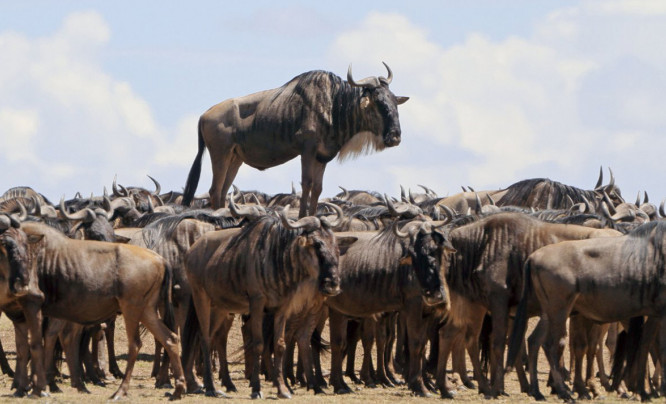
(543, 193)
(164, 227)
(646, 245)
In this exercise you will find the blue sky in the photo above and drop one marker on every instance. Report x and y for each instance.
(500, 90)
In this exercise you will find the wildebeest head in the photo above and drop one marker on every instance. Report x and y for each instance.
(427, 251)
(317, 249)
(13, 245)
(378, 98)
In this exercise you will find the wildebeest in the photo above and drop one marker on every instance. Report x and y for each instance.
(315, 115)
(604, 280)
(486, 274)
(270, 264)
(387, 271)
(90, 281)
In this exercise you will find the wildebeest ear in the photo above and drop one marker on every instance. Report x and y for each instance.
(401, 99)
(35, 238)
(365, 101)
(122, 239)
(345, 242)
(302, 241)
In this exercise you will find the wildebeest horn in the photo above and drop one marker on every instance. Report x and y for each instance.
(411, 196)
(293, 189)
(478, 204)
(646, 199)
(638, 199)
(86, 215)
(108, 207)
(463, 188)
(607, 199)
(345, 193)
(5, 222)
(114, 187)
(339, 215)
(588, 205)
(22, 215)
(470, 188)
(490, 199)
(449, 217)
(151, 207)
(388, 78)
(403, 196)
(662, 211)
(571, 201)
(368, 82)
(605, 211)
(158, 188)
(391, 207)
(252, 212)
(601, 178)
(309, 223)
(398, 232)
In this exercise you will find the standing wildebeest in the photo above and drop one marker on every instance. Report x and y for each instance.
(315, 115)
(604, 280)
(90, 281)
(389, 271)
(486, 274)
(270, 264)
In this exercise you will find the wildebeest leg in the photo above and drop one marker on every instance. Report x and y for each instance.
(578, 333)
(279, 345)
(337, 323)
(221, 164)
(416, 338)
(4, 364)
(221, 337)
(367, 373)
(662, 356)
(33, 316)
(133, 346)
(500, 319)
(447, 336)
(257, 304)
(21, 381)
(474, 321)
(169, 341)
(71, 342)
(637, 371)
(53, 329)
(535, 341)
(382, 337)
(557, 317)
(202, 308)
(304, 337)
(109, 335)
(353, 335)
(312, 175)
(391, 330)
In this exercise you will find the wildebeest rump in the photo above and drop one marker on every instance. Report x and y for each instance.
(315, 115)
(604, 280)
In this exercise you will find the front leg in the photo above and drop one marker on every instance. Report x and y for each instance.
(33, 316)
(312, 176)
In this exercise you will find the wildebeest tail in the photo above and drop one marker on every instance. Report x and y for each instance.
(190, 334)
(484, 341)
(195, 171)
(168, 316)
(319, 344)
(520, 322)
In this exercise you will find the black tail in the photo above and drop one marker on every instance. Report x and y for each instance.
(165, 296)
(190, 334)
(195, 172)
(520, 322)
(626, 350)
(484, 342)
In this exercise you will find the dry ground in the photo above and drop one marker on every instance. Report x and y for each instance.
(142, 387)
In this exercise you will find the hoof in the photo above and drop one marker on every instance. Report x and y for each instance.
(448, 394)
(215, 393)
(257, 395)
(284, 395)
(343, 390)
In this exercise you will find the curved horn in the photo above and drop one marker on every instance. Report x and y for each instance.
(338, 211)
(86, 215)
(114, 187)
(411, 197)
(392, 209)
(606, 212)
(588, 205)
(253, 212)
(638, 199)
(158, 188)
(398, 232)
(662, 211)
(611, 184)
(23, 213)
(449, 217)
(601, 178)
(490, 199)
(477, 210)
(463, 188)
(108, 207)
(368, 82)
(388, 78)
(646, 199)
(151, 207)
(571, 201)
(308, 222)
(470, 188)
(37, 206)
(403, 194)
(345, 193)
(293, 189)
(608, 201)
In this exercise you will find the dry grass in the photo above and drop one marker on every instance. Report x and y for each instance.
(142, 387)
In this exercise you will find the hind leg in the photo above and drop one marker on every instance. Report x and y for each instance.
(133, 346)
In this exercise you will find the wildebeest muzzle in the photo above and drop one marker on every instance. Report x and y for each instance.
(330, 286)
(392, 138)
(432, 298)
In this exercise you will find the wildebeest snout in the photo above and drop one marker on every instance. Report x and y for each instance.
(392, 137)
(18, 286)
(434, 297)
(330, 286)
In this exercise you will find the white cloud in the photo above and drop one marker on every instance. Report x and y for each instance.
(579, 92)
(63, 119)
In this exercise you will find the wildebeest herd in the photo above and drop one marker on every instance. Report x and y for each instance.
(421, 277)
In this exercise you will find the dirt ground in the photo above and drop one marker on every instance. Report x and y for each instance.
(142, 386)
